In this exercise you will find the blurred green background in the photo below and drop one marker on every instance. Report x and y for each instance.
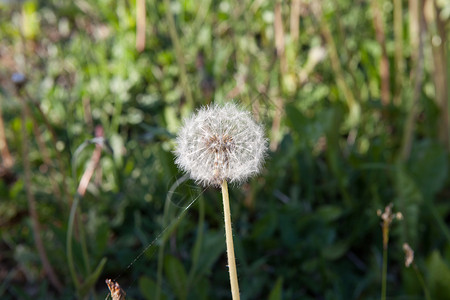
(354, 96)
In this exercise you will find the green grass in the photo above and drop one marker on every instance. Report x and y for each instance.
(346, 140)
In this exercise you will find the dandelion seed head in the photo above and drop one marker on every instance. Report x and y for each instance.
(220, 143)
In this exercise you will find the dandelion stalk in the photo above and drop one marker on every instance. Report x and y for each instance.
(221, 144)
(384, 274)
(387, 217)
(229, 240)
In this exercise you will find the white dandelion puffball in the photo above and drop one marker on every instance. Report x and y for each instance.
(220, 143)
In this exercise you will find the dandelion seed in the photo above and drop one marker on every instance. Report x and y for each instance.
(220, 143)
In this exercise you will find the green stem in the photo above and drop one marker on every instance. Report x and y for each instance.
(84, 250)
(422, 282)
(73, 274)
(229, 241)
(384, 274)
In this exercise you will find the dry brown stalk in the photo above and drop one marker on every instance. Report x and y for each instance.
(93, 163)
(279, 37)
(140, 25)
(384, 61)
(295, 20)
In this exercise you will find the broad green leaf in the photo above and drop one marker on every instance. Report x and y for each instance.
(438, 276)
(176, 275)
(147, 287)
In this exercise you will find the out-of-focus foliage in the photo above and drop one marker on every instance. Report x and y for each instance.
(310, 71)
